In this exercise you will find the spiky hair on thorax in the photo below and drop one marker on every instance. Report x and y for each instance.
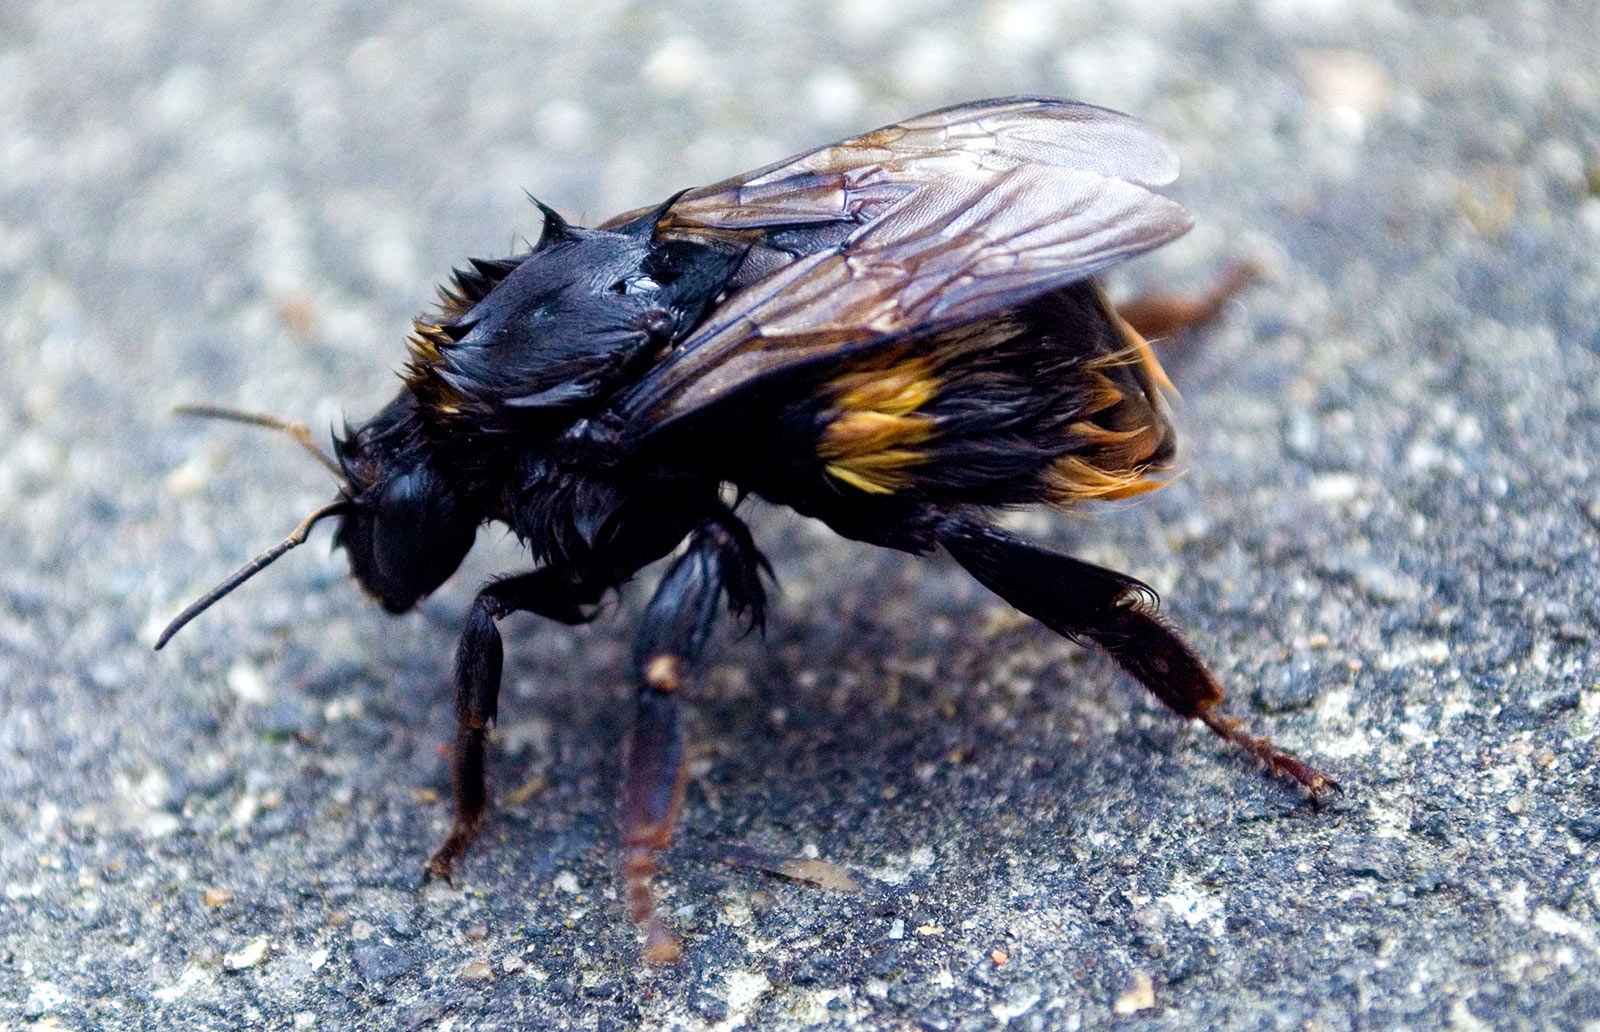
(434, 333)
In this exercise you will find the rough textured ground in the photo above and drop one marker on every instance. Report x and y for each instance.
(1386, 543)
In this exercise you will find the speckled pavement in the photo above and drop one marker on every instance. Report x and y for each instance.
(1385, 542)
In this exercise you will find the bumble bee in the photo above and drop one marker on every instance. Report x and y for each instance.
(899, 334)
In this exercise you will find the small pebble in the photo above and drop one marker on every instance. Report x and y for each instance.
(526, 791)
(1586, 828)
(1141, 996)
(477, 971)
(381, 963)
(253, 953)
(248, 683)
(44, 997)
(416, 1015)
(1300, 434)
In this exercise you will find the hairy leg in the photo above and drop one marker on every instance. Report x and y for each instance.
(667, 658)
(1117, 613)
(477, 690)
(1165, 314)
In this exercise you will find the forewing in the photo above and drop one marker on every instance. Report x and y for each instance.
(961, 246)
(856, 180)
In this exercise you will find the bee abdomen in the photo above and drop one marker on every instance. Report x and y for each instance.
(1058, 402)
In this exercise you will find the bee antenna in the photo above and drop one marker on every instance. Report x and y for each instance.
(299, 431)
(253, 567)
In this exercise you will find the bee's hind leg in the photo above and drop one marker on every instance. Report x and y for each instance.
(1117, 613)
(1166, 315)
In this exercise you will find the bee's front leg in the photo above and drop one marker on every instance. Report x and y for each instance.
(477, 690)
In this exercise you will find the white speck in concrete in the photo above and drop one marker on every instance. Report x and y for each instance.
(676, 66)
(744, 988)
(254, 952)
(1195, 906)
(1013, 1007)
(248, 684)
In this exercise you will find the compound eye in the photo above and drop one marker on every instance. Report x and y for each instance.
(408, 540)
(400, 526)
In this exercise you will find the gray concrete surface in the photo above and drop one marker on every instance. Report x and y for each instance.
(1386, 543)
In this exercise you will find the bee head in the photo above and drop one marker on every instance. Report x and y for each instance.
(404, 526)
(399, 517)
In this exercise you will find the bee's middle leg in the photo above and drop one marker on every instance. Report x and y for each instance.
(667, 658)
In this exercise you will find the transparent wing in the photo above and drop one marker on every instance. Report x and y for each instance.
(949, 217)
(856, 179)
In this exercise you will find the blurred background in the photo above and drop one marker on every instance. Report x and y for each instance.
(1385, 542)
